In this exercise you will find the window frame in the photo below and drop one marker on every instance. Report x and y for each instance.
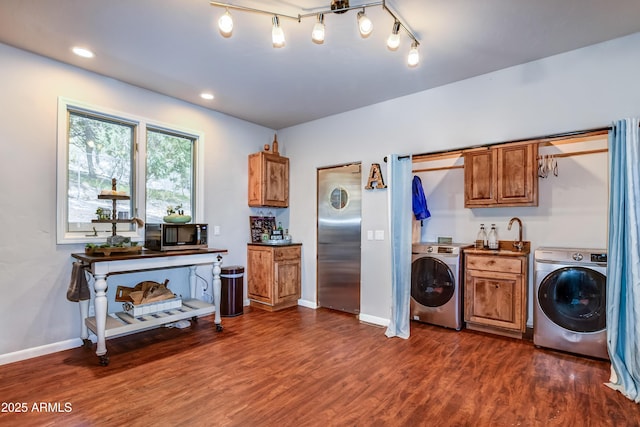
(140, 124)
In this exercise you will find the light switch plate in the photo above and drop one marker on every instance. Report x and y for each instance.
(216, 230)
(379, 235)
(369, 234)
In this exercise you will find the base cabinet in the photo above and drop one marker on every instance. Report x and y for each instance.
(495, 294)
(273, 276)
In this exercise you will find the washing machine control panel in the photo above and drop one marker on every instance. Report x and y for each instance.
(599, 257)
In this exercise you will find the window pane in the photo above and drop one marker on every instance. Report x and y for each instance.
(170, 174)
(99, 150)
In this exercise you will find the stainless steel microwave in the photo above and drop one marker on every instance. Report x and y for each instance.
(175, 237)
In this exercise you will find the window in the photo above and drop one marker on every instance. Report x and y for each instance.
(156, 165)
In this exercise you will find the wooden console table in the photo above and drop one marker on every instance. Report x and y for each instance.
(101, 267)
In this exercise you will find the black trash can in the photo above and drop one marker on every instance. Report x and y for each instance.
(231, 298)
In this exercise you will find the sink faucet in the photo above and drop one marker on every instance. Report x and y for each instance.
(519, 244)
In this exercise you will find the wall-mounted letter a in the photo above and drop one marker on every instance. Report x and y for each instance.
(375, 175)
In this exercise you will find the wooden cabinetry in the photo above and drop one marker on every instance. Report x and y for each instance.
(268, 180)
(504, 175)
(273, 276)
(496, 293)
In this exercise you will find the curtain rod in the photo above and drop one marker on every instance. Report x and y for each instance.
(552, 136)
(399, 157)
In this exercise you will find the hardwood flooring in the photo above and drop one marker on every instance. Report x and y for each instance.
(303, 367)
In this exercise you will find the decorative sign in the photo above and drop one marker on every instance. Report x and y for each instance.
(259, 225)
(375, 176)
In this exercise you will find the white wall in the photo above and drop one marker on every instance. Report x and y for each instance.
(582, 89)
(34, 271)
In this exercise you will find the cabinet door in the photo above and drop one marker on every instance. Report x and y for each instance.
(517, 183)
(255, 179)
(276, 181)
(494, 299)
(479, 178)
(287, 280)
(260, 274)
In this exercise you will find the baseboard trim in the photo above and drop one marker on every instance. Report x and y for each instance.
(30, 353)
(307, 303)
(379, 321)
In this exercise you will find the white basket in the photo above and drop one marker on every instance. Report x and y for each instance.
(153, 307)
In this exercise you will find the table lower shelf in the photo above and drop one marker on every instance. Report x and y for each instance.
(122, 323)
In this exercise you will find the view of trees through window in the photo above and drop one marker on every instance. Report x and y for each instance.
(101, 148)
(169, 174)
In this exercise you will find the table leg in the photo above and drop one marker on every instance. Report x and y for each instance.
(84, 313)
(100, 305)
(217, 291)
(192, 281)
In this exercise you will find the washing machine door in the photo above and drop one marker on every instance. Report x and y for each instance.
(432, 282)
(574, 298)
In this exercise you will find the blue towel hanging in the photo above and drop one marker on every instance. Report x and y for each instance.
(420, 209)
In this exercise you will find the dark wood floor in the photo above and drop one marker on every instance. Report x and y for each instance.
(303, 367)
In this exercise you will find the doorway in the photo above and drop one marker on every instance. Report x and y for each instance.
(339, 230)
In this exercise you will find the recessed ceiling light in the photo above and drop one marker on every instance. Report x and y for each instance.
(207, 96)
(81, 51)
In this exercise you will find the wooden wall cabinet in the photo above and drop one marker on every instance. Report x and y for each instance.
(273, 276)
(496, 293)
(504, 175)
(268, 180)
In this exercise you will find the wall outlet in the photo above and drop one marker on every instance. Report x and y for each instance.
(92, 310)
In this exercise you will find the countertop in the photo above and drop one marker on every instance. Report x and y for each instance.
(274, 244)
(505, 248)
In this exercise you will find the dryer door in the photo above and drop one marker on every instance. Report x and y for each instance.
(432, 282)
(574, 298)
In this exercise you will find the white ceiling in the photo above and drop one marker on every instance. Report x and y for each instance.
(173, 47)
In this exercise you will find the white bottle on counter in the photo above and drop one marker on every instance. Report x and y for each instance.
(481, 239)
(493, 237)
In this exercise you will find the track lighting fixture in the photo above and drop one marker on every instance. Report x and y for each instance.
(365, 26)
(317, 35)
(393, 42)
(414, 56)
(277, 35)
(225, 24)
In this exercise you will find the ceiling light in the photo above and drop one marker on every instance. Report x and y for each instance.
(364, 24)
(225, 24)
(394, 38)
(206, 95)
(414, 55)
(83, 52)
(317, 35)
(277, 35)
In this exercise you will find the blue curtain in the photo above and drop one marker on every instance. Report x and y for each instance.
(623, 268)
(400, 215)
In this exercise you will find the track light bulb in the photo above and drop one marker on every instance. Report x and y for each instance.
(394, 38)
(225, 24)
(317, 35)
(277, 35)
(364, 24)
(414, 55)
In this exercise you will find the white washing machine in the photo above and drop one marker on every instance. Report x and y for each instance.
(436, 285)
(570, 300)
